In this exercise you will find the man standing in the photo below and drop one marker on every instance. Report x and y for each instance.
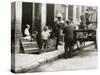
(82, 21)
(87, 15)
(68, 39)
(56, 31)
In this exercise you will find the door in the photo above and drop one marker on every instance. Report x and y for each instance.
(26, 16)
(50, 15)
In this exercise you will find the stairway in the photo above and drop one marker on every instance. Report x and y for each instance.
(29, 46)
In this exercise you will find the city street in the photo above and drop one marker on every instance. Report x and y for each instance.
(85, 59)
(39, 31)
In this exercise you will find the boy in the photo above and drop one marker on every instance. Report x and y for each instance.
(45, 35)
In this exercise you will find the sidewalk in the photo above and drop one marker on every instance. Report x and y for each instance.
(27, 62)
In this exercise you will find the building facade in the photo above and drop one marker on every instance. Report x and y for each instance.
(38, 15)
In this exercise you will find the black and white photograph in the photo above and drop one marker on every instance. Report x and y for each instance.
(48, 37)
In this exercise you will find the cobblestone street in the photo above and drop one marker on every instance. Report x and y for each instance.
(85, 59)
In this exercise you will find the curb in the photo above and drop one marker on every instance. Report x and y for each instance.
(27, 68)
(51, 56)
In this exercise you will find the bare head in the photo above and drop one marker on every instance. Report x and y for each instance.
(28, 26)
(87, 9)
(45, 28)
(68, 22)
(59, 18)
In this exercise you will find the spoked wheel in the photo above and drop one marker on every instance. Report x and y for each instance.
(82, 45)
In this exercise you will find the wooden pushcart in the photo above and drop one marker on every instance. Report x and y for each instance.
(83, 35)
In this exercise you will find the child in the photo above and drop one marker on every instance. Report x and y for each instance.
(27, 33)
(45, 35)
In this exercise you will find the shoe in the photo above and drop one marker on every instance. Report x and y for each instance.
(56, 48)
(70, 56)
(65, 57)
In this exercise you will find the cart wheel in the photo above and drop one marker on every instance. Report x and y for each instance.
(82, 44)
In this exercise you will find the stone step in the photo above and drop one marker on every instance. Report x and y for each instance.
(29, 45)
(31, 50)
(26, 49)
(29, 42)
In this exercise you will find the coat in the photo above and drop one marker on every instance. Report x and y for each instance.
(68, 34)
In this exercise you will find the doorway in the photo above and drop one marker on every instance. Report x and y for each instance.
(26, 16)
(50, 15)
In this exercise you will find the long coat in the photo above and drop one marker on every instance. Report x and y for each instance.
(68, 34)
